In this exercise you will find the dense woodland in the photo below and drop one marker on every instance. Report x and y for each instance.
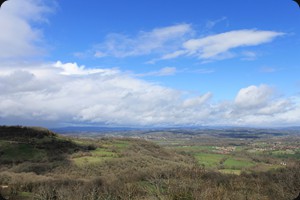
(38, 164)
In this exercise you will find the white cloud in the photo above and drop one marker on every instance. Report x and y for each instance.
(215, 45)
(277, 106)
(254, 96)
(74, 69)
(106, 96)
(18, 38)
(259, 106)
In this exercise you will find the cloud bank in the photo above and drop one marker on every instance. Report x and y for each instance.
(63, 93)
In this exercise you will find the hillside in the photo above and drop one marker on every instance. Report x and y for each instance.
(35, 145)
(36, 163)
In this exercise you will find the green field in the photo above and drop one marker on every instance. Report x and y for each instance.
(195, 148)
(94, 157)
(109, 149)
(237, 163)
(242, 158)
(209, 160)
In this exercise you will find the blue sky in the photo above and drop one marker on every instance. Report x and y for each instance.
(150, 63)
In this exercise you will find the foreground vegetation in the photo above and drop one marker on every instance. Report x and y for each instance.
(38, 164)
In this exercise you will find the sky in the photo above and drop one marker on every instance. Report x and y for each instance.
(142, 63)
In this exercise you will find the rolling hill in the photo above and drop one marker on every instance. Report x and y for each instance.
(36, 163)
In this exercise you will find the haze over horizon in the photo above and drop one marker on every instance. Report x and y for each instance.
(150, 63)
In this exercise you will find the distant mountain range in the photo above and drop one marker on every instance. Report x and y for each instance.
(77, 129)
(90, 129)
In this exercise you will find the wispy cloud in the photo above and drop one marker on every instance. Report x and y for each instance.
(268, 69)
(173, 55)
(213, 46)
(204, 71)
(249, 55)
(179, 41)
(166, 71)
(211, 23)
(159, 40)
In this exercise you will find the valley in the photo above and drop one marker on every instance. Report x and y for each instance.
(166, 164)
